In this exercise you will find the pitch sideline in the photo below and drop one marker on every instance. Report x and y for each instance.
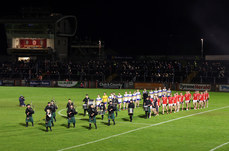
(105, 138)
(219, 146)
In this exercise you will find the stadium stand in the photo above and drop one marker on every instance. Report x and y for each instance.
(119, 70)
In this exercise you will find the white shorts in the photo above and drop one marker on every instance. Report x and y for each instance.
(164, 105)
(174, 104)
(187, 101)
(194, 101)
(170, 104)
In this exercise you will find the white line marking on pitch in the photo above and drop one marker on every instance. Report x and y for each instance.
(219, 146)
(59, 112)
(105, 138)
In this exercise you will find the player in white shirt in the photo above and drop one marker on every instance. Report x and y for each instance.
(130, 97)
(134, 98)
(164, 92)
(169, 92)
(138, 98)
(119, 97)
(151, 94)
(110, 97)
(114, 95)
(155, 92)
(125, 99)
(159, 92)
(98, 101)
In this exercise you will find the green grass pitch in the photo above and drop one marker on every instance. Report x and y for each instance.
(200, 132)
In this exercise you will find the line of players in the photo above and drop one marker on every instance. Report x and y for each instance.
(177, 101)
(152, 100)
(159, 97)
(124, 100)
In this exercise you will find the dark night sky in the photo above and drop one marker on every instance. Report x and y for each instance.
(149, 27)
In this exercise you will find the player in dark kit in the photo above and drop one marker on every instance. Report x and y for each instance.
(69, 104)
(92, 112)
(145, 95)
(53, 109)
(71, 112)
(147, 104)
(48, 107)
(115, 103)
(102, 109)
(85, 105)
(29, 111)
(48, 120)
(131, 107)
(111, 113)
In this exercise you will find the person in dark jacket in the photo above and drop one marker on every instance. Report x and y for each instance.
(147, 106)
(145, 95)
(85, 105)
(115, 103)
(48, 120)
(29, 112)
(53, 109)
(21, 101)
(92, 112)
(111, 113)
(131, 107)
(102, 109)
(69, 104)
(71, 112)
(49, 107)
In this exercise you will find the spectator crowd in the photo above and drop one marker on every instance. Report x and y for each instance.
(117, 70)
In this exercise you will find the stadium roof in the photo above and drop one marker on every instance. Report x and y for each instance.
(13, 19)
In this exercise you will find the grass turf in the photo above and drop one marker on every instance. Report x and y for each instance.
(200, 132)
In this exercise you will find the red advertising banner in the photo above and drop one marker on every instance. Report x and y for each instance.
(147, 85)
(33, 43)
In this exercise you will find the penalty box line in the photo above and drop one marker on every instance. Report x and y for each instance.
(137, 129)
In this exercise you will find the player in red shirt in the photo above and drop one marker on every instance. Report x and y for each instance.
(182, 100)
(164, 104)
(175, 99)
(187, 99)
(170, 103)
(178, 102)
(207, 97)
(190, 96)
(201, 100)
(195, 99)
(198, 101)
(158, 102)
(151, 107)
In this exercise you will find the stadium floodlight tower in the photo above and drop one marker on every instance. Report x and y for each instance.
(39, 33)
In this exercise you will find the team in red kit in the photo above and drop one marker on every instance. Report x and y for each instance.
(179, 102)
